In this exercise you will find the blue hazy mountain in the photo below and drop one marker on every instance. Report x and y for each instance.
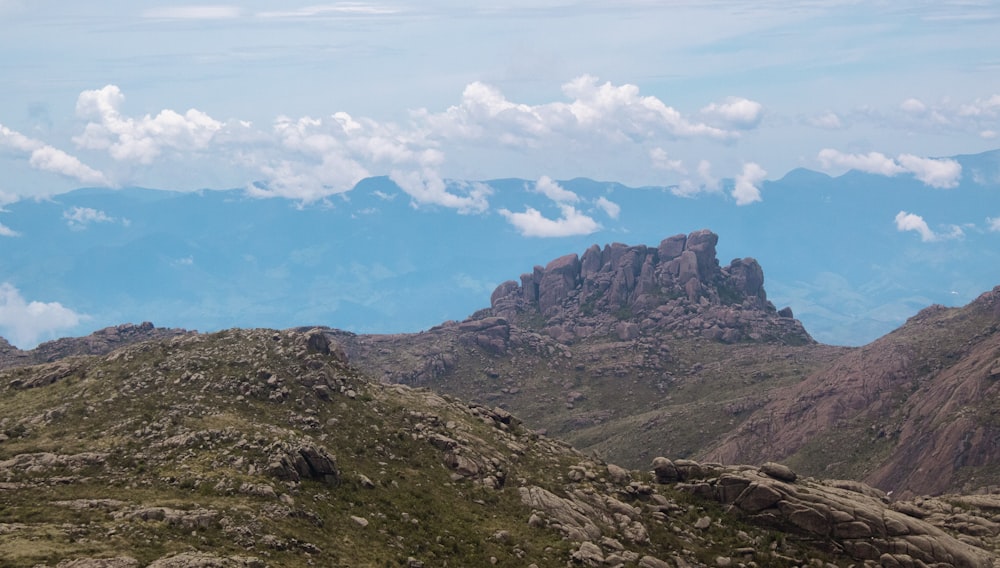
(370, 261)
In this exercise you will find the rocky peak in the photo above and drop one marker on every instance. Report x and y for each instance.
(678, 286)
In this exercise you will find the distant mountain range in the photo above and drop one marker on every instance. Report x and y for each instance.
(373, 262)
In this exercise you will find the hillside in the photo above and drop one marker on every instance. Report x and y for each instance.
(636, 351)
(917, 411)
(264, 448)
(630, 351)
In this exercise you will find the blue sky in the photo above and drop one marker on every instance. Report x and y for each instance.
(300, 101)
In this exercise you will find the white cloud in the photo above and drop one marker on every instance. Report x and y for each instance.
(828, 120)
(427, 188)
(23, 323)
(735, 112)
(139, 139)
(935, 172)
(549, 188)
(746, 189)
(872, 162)
(609, 207)
(531, 223)
(595, 114)
(913, 106)
(940, 173)
(994, 224)
(78, 218)
(910, 222)
(193, 12)
(46, 158)
(6, 231)
(662, 161)
(705, 183)
(988, 134)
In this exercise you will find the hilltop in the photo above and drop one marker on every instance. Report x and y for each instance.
(253, 448)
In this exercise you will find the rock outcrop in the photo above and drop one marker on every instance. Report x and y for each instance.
(852, 518)
(677, 287)
(98, 343)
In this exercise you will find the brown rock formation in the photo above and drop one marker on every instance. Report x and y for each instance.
(678, 286)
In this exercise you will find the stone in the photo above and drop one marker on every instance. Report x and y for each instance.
(778, 471)
(589, 554)
(665, 471)
(653, 562)
(618, 474)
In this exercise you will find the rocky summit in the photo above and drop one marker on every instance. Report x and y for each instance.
(677, 287)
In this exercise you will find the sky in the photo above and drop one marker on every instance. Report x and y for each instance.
(301, 101)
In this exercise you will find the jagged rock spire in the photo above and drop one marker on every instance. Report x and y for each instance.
(578, 296)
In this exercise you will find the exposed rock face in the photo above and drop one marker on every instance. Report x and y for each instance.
(855, 517)
(678, 286)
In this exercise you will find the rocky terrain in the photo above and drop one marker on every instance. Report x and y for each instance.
(917, 411)
(141, 446)
(97, 343)
(633, 352)
(630, 351)
(251, 448)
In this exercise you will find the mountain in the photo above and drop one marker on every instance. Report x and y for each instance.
(262, 448)
(637, 351)
(918, 410)
(374, 260)
(629, 351)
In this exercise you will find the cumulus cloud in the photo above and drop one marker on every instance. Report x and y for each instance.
(911, 222)
(872, 162)
(24, 323)
(549, 188)
(427, 188)
(78, 218)
(662, 161)
(947, 115)
(828, 120)
(6, 231)
(610, 208)
(746, 189)
(704, 183)
(139, 139)
(531, 223)
(913, 106)
(596, 112)
(936, 172)
(993, 224)
(735, 112)
(44, 157)
(941, 173)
